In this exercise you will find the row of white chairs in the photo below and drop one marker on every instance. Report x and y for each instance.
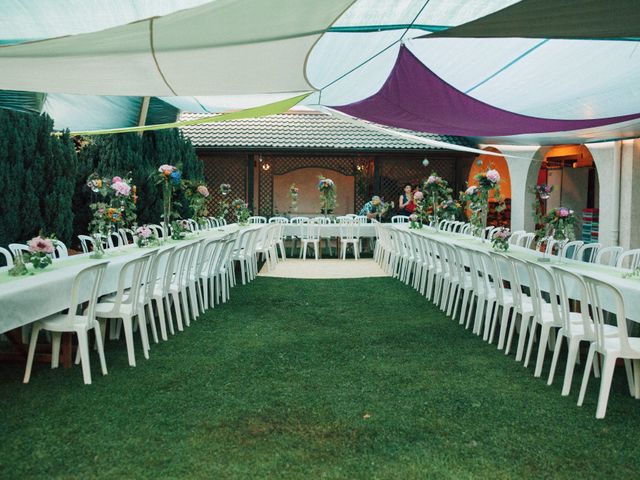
(172, 286)
(495, 293)
(319, 219)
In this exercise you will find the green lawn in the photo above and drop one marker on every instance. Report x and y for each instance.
(313, 379)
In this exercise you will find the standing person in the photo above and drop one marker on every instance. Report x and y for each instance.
(405, 203)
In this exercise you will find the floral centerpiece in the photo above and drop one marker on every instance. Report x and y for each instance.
(179, 229)
(197, 194)
(560, 224)
(436, 190)
(500, 240)
(293, 196)
(40, 252)
(415, 221)
(169, 177)
(145, 237)
(542, 193)
(450, 208)
(478, 196)
(241, 211)
(223, 205)
(385, 210)
(328, 198)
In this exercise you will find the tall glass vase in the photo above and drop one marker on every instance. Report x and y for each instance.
(483, 218)
(167, 210)
(435, 212)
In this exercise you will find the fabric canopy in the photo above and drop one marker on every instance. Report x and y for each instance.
(606, 19)
(262, 111)
(413, 97)
(223, 47)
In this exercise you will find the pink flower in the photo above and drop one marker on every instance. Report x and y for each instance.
(493, 175)
(203, 190)
(471, 190)
(563, 212)
(116, 179)
(433, 179)
(121, 188)
(41, 245)
(166, 168)
(418, 196)
(144, 232)
(413, 217)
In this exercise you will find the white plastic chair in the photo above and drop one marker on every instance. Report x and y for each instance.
(399, 219)
(515, 236)
(89, 278)
(114, 240)
(610, 347)
(570, 250)
(8, 258)
(126, 304)
(18, 249)
(295, 238)
(588, 252)
(257, 219)
(159, 291)
(278, 220)
(608, 256)
(127, 235)
(86, 242)
(349, 235)
(61, 250)
(309, 235)
(526, 240)
(629, 259)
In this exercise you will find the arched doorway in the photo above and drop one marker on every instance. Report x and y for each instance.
(570, 169)
(499, 163)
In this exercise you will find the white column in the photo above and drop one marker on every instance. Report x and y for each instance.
(606, 157)
(630, 194)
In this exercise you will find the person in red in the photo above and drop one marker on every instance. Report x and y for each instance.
(405, 203)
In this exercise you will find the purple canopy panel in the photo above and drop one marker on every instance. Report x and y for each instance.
(415, 98)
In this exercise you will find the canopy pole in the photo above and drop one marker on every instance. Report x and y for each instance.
(144, 108)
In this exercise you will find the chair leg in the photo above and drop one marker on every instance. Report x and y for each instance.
(144, 336)
(56, 338)
(608, 366)
(32, 350)
(152, 321)
(83, 348)
(100, 347)
(542, 349)
(128, 334)
(161, 318)
(554, 360)
(571, 363)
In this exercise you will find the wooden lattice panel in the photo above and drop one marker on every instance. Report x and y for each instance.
(225, 168)
(395, 172)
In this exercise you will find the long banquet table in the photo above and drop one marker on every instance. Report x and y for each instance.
(629, 287)
(26, 299)
(329, 230)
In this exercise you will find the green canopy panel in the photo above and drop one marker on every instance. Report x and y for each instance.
(29, 102)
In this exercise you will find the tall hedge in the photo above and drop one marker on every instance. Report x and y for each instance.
(38, 178)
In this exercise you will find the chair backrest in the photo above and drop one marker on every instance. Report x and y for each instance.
(18, 249)
(321, 220)
(310, 230)
(213, 222)
(130, 277)
(257, 219)
(278, 220)
(399, 219)
(349, 229)
(88, 278)
(570, 249)
(588, 252)
(598, 291)
(526, 240)
(515, 236)
(629, 259)
(85, 242)
(466, 229)
(571, 287)
(193, 225)
(543, 282)
(362, 219)
(157, 230)
(127, 235)
(297, 220)
(608, 256)
(158, 270)
(488, 232)
(114, 240)
(8, 258)
(61, 250)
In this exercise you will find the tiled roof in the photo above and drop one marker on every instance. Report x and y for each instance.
(302, 129)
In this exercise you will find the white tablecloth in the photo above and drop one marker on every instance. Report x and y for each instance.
(630, 288)
(24, 300)
(330, 230)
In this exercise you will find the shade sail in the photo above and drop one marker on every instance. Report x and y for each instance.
(605, 19)
(413, 97)
(223, 47)
(262, 111)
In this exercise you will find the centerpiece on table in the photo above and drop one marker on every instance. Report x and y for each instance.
(559, 223)
(415, 222)
(197, 194)
(241, 211)
(542, 193)
(477, 197)
(436, 190)
(179, 229)
(500, 240)
(223, 205)
(114, 207)
(293, 196)
(145, 237)
(41, 250)
(328, 196)
(169, 177)
(450, 209)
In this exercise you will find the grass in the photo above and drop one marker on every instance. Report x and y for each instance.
(313, 379)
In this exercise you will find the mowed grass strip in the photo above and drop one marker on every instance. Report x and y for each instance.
(358, 378)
